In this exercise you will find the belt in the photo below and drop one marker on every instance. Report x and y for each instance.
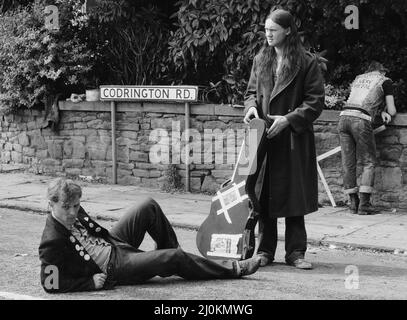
(355, 113)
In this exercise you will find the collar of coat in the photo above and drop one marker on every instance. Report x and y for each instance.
(90, 225)
(280, 85)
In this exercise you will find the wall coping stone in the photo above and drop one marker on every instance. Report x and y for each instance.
(195, 109)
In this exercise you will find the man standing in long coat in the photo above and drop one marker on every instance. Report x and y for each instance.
(288, 93)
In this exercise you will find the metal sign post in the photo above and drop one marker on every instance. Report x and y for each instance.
(187, 189)
(114, 93)
(114, 148)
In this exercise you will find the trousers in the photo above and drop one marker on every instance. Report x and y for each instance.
(295, 238)
(130, 265)
(357, 145)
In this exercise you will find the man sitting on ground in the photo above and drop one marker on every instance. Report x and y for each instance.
(77, 254)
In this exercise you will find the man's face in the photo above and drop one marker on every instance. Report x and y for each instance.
(66, 211)
(275, 34)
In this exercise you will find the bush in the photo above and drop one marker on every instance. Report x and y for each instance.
(38, 63)
(214, 44)
(335, 97)
(135, 35)
(215, 41)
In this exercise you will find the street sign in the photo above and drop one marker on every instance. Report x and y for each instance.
(117, 93)
(148, 93)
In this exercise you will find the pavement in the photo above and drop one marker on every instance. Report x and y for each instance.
(333, 227)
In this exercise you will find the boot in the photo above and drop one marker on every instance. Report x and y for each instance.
(353, 203)
(246, 267)
(365, 207)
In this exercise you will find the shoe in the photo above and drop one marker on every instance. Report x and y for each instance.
(301, 264)
(264, 260)
(247, 267)
(353, 203)
(365, 207)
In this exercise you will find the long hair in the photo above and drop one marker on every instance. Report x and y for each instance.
(293, 50)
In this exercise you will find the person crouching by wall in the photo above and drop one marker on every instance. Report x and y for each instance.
(370, 91)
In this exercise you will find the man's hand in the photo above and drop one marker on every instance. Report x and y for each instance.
(99, 280)
(279, 124)
(251, 112)
(385, 117)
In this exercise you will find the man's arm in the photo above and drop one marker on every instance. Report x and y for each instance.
(250, 98)
(390, 106)
(314, 96)
(54, 278)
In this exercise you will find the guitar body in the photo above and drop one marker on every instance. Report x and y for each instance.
(228, 231)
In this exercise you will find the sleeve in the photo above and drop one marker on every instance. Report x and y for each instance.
(250, 98)
(314, 97)
(388, 88)
(54, 278)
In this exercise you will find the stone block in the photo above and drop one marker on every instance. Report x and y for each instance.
(28, 151)
(195, 184)
(97, 151)
(89, 118)
(210, 185)
(155, 173)
(199, 173)
(228, 119)
(128, 126)
(391, 153)
(42, 154)
(132, 135)
(8, 146)
(23, 139)
(99, 124)
(141, 173)
(128, 180)
(32, 125)
(143, 165)
(22, 126)
(162, 123)
(214, 125)
(388, 179)
(122, 154)
(120, 141)
(73, 171)
(72, 163)
(386, 140)
(125, 166)
(51, 163)
(222, 174)
(124, 173)
(80, 125)
(138, 156)
(101, 164)
(153, 115)
(38, 141)
(67, 126)
(150, 183)
(5, 156)
(55, 149)
(17, 147)
(403, 136)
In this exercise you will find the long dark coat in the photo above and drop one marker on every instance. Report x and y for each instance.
(289, 184)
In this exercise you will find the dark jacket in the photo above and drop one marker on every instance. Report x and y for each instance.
(58, 248)
(301, 100)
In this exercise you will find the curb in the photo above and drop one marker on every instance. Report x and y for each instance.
(310, 241)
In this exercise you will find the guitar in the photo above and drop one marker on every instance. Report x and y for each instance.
(228, 231)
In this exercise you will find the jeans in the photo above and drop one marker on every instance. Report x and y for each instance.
(130, 265)
(357, 146)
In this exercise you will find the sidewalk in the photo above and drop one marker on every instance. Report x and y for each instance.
(328, 226)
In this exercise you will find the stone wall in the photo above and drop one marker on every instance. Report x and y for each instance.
(83, 146)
